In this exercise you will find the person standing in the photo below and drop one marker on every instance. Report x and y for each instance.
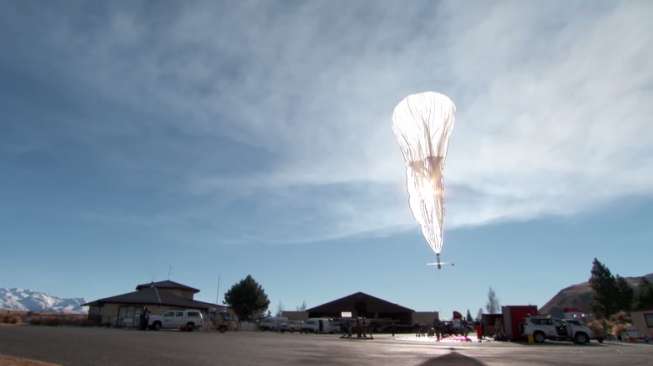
(437, 327)
(146, 315)
(479, 331)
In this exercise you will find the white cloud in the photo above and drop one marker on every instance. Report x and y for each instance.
(554, 102)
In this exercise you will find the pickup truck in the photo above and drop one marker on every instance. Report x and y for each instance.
(542, 328)
(188, 319)
(319, 325)
(274, 323)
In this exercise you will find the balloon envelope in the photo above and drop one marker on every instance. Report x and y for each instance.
(422, 124)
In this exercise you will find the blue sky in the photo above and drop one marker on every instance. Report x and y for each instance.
(238, 138)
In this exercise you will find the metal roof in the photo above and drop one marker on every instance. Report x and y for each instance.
(152, 296)
(374, 304)
(167, 284)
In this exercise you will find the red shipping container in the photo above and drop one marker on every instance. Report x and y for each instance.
(513, 316)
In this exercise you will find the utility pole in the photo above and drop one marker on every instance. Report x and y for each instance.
(217, 296)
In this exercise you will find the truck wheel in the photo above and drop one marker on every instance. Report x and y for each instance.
(156, 325)
(190, 327)
(222, 329)
(539, 337)
(581, 338)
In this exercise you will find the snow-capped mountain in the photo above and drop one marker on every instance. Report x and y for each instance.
(28, 300)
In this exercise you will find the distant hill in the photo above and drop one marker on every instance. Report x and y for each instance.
(580, 296)
(28, 300)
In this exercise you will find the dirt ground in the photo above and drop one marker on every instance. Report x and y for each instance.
(16, 361)
(71, 346)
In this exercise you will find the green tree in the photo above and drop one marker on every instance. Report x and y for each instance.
(645, 297)
(247, 298)
(625, 294)
(606, 292)
(469, 317)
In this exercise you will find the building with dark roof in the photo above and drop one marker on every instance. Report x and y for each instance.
(373, 308)
(157, 297)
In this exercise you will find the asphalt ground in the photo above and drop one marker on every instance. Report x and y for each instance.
(102, 346)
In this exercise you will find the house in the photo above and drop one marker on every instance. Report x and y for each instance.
(643, 322)
(124, 310)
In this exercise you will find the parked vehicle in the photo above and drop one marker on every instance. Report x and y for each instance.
(513, 321)
(295, 325)
(188, 319)
(631, 335)
(274, 323)
(320, 325)
(542, 328)
(224, 321)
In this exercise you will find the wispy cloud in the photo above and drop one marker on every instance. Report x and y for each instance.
(554, 105)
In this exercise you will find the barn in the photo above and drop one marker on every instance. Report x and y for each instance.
(364, 305)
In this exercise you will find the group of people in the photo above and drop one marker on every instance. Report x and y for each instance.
(360, 326)
(442, 329)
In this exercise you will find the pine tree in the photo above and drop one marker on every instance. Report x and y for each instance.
(645, 298)
(606, 293)
(469, 317)
(625, 295)
(247, 298)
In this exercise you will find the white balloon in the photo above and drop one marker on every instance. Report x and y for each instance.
(422, 124)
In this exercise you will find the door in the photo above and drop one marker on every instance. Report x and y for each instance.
(180, 320)
(549, 328)
(168, 319)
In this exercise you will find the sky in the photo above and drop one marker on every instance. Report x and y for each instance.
(205, 141)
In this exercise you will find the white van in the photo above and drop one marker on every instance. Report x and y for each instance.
(188, 319)
(320, 325)
(274, 323)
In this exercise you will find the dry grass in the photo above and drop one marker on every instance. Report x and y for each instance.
(51, 319)
(12, 317)
(61, 319)
(16, 361)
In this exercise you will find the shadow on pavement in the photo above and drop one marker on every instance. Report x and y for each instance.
(452, 359)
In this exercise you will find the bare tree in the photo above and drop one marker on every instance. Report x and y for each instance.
(280, 309)
(479, 314)
(302, 307)
(492, 306)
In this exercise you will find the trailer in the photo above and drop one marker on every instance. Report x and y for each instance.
(492, 325)
(513, 320)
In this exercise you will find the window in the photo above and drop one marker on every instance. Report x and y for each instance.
(180, 314)
(169, 314)
(649, 319)
(193, 314)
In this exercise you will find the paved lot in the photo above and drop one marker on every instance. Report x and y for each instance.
(99, 346)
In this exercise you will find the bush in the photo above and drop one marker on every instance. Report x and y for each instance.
(10, 319)
(598, 327)
(62, 319)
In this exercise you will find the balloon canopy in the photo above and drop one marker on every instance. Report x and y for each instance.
(422, 124)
